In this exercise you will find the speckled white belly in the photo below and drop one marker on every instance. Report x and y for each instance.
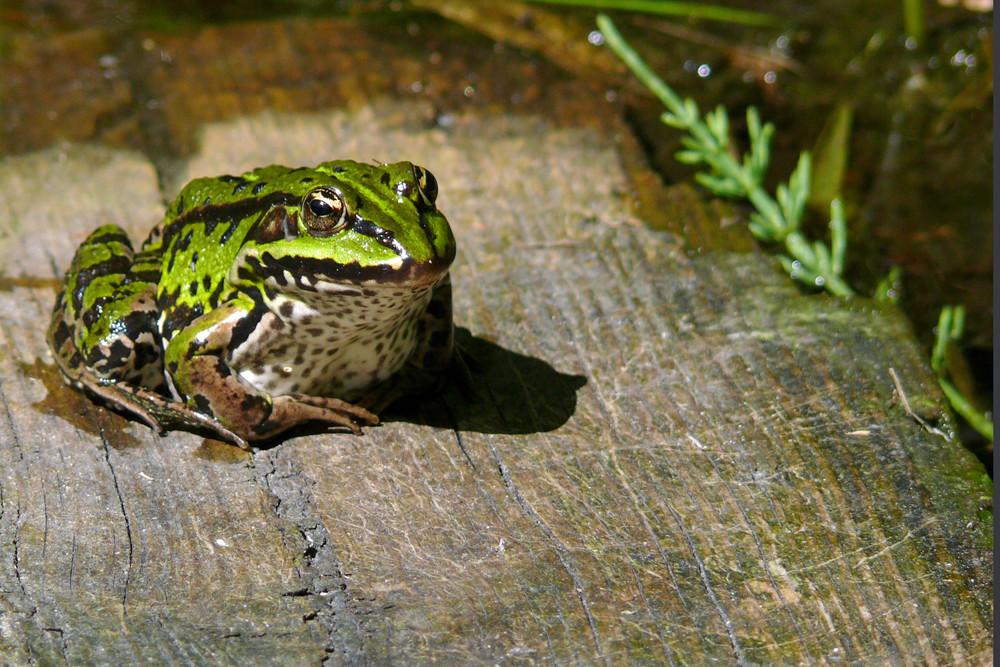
(337, 344)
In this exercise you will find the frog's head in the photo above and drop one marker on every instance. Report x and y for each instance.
(345, 222)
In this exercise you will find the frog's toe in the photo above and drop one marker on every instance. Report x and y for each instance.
(359, 412)
(298, 408)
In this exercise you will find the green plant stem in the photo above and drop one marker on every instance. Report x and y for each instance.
(951, 323)
(668, 7)
(776, 220)
(961, 405)
(656, 85)
(913, 19)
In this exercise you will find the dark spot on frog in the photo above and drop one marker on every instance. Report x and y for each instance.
(251, 403)
(253, 268)
(246, 325)
(337, 168)
(206, 282)
(283, 371)
(240, 187)
(306, 179)
(117, 352)
(146, 355)
(286, 308)
(184, 242)
(193, 287)
(181, 316)
(213, 298)
(167, 297)
(260, 186)
(222, 370)
(385, 178)
(78, 293)
(229, 232)
(203, 404)
(208, 200)
(115, 235)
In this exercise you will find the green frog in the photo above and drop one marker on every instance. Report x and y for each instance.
(264, 301)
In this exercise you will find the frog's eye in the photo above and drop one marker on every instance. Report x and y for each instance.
(427, 185)
(324, 211)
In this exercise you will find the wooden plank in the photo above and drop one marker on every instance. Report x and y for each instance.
(656, 457)
(113, 552)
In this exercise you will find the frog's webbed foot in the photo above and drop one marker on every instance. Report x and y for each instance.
(156, 411)
(292, 409)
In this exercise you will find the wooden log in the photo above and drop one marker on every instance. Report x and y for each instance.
(654, 457)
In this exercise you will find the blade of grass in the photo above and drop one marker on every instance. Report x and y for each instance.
(669, 8)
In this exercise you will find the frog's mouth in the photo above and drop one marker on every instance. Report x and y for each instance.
(314, 275)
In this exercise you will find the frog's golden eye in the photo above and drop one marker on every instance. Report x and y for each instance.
(427, 185)
(324, 211)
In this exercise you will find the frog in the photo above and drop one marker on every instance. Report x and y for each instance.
(265, 301)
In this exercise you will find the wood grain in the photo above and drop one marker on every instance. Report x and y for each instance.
(653, 457)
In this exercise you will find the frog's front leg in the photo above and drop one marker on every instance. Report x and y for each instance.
(196, 363)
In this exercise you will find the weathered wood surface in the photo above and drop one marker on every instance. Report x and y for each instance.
(657, 457)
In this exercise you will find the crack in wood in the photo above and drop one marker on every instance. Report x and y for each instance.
(318, 566)
(17, 557)
(608, 412)
(644, 520)
(562, 553)
(703, 573)
(128, 523)
(757, 542)
(72, 561)
(11, 421)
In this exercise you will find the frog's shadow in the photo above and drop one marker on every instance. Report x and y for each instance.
(488, 390)
(494, 390)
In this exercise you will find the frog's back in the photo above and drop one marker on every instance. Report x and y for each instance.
(257, 184)
(199, 238)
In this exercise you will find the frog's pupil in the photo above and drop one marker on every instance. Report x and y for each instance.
(324, 211)
(321, 208)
